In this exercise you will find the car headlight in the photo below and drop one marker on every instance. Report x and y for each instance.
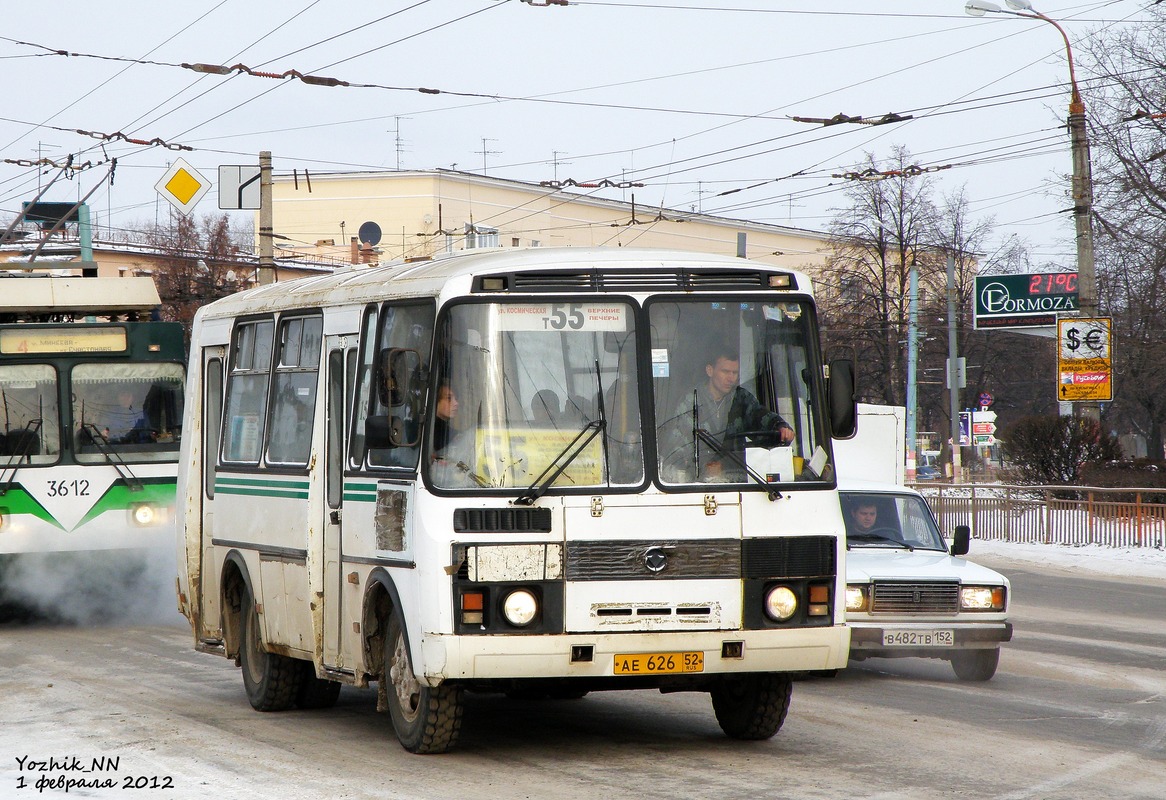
(519, 607)
(781, 603)
(857, 598)
(981, 598)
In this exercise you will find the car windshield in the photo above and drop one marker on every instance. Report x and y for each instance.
(734, 392)
(516, 383)
(875, 519)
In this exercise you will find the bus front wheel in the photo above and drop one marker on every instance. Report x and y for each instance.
(753, 705)
(427, 719)
(270, 680)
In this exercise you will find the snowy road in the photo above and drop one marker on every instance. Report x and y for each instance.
(1077, 709)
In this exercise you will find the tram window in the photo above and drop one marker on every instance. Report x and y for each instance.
(247, 392)
(293, 402)
(133, 409)
(30, 432)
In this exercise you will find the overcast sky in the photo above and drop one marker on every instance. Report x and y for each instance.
(692, 98)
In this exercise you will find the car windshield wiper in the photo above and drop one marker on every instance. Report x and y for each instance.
(879, 537)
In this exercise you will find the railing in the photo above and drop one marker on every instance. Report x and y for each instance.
(1069, 515)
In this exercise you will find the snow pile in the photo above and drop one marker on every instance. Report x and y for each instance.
(1143, 562)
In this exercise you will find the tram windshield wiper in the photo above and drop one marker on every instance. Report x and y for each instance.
(25, 440)
(98, 440)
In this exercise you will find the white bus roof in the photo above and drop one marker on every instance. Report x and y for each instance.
(428, 277)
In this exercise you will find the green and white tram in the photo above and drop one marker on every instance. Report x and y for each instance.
(493, 471)
(90, 422)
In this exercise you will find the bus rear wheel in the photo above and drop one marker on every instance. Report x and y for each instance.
(427, 719)
(270, 680)
(752, 706)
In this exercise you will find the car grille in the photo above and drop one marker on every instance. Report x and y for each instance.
(934, 597)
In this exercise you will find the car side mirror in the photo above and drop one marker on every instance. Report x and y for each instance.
(963, 540)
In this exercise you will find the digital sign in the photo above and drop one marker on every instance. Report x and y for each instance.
(28, 341)
(1024, 301)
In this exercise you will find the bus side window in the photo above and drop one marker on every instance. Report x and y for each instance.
(289, 435)
(405, 327)
(247, 392)
(361, 379)
(213, 422)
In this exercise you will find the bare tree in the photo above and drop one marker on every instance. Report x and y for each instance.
(1127, 108)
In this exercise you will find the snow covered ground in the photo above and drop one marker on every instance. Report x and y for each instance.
(1089, 559)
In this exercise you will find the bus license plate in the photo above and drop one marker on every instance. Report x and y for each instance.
(941, 637)
(658, 663)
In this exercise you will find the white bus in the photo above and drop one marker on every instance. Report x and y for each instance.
(493, 471)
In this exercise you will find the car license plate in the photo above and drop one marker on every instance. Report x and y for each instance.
(940, 637)
(658, 663)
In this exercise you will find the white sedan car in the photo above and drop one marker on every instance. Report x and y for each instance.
(909, 594)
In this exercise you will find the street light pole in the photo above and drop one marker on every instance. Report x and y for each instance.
(1082, 172)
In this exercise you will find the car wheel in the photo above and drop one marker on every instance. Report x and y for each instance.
(975, 665)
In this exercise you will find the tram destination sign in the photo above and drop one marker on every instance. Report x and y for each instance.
(1024, 301)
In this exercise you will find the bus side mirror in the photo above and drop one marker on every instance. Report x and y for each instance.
(399, 377)
(383, 430)
(840, 395)
(963, 540)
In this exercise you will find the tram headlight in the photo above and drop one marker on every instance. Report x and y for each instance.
(144, 514)
(781, 603)
(520, 607)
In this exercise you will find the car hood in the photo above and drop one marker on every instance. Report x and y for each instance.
(883, 563)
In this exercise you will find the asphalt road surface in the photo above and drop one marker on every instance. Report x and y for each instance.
(1076, 710)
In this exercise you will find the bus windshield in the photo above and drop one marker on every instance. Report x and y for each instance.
(517, 382)
(28, 402)
(131, 409)
(733, 392)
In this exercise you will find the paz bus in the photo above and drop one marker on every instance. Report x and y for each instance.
(482, 473)
(91, 397)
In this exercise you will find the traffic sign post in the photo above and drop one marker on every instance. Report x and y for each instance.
(1084, 359)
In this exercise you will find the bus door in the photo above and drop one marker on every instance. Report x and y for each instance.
(213, 360)
(333, 510)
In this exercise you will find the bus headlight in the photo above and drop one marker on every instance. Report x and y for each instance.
(144, 515)
(981, 598)
(857, 598)
(781, 603)
(519, 608)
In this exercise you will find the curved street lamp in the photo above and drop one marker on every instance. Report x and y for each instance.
(1082, 172)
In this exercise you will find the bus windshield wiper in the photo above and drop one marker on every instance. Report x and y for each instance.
(706, 437)
(561, 461)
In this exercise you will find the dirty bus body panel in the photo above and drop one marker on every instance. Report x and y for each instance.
(492, 471)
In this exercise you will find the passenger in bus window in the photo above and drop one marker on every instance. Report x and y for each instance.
(545, 409)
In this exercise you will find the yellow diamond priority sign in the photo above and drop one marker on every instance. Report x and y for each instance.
(183, 186)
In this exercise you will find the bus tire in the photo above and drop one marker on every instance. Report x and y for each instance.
(316, 692)
(426, 719)
(752, 706)
(975, 665)
(270, 680)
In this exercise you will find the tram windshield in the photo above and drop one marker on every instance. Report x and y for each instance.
(31, 420)
(133, 410)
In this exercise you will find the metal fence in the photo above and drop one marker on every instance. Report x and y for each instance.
(1052, 514)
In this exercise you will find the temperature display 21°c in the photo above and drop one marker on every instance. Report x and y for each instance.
(1052, 283)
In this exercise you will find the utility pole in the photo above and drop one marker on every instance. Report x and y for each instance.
(912, 366)
(266, 231)
(953, 379)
